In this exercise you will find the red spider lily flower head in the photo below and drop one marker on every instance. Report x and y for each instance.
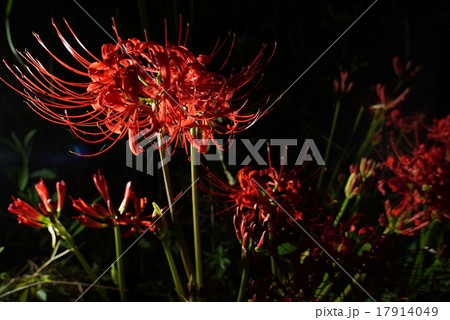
(353, 185)
(406, 123)
(342, 87)
(343, 239)
(28, 215)
(250, 232)
(100, 216)
(403, 217)
(440, 131)
(359, 176)
(385, 102)
(140, 86)
(258, 188)
(421, 179)
(404, 71)
(48, 212)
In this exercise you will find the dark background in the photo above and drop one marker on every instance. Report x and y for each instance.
(417, 30)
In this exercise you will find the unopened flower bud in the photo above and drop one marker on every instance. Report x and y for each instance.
(353, 185)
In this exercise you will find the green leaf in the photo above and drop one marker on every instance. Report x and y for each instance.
(16, 140)
(23, 178)
(365, 247)
(2, 248)
(24, 296)
(10, 144)
(41, 295)
(286, 248)
(28, 137)
(44, 174)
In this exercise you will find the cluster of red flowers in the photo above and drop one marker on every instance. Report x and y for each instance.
(266, 201)
(94, 215)
(141, 87)
(269, 191)
(269, 199)
(422, 180)
(48, 210)
(98, 216)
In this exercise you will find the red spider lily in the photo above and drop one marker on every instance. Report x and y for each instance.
(404, 71)
(140, 86)
(99, 216)
(342, 239)
(354, 243)
(385, 102)
(359, 174)
(413, 123)
(404, 217)
(440, 131)
(422, 179)
(342, 87)
(250, 232)
(48, 210)
(283, 186)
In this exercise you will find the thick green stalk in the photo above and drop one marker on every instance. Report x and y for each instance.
(173, 214)
(341, 211)
(330, 140)
(119, 263)
(244, 277)
(91, 274)
(173, 269)
(195, 214)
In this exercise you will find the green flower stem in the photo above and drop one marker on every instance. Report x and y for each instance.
(357, 120)
(325, 291)
(273, 265)
(173, 214)
(341, 211)
(348, 288)
(195, 214)
(317, 292)
(417, 269)
(9, 5)
(355, 205)
(244, 276)
(436, 261)
(324, 288)
(376, 122)
(173, 269)
(91, 274)
(119, 263)
(330, 140)
(349, 143)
